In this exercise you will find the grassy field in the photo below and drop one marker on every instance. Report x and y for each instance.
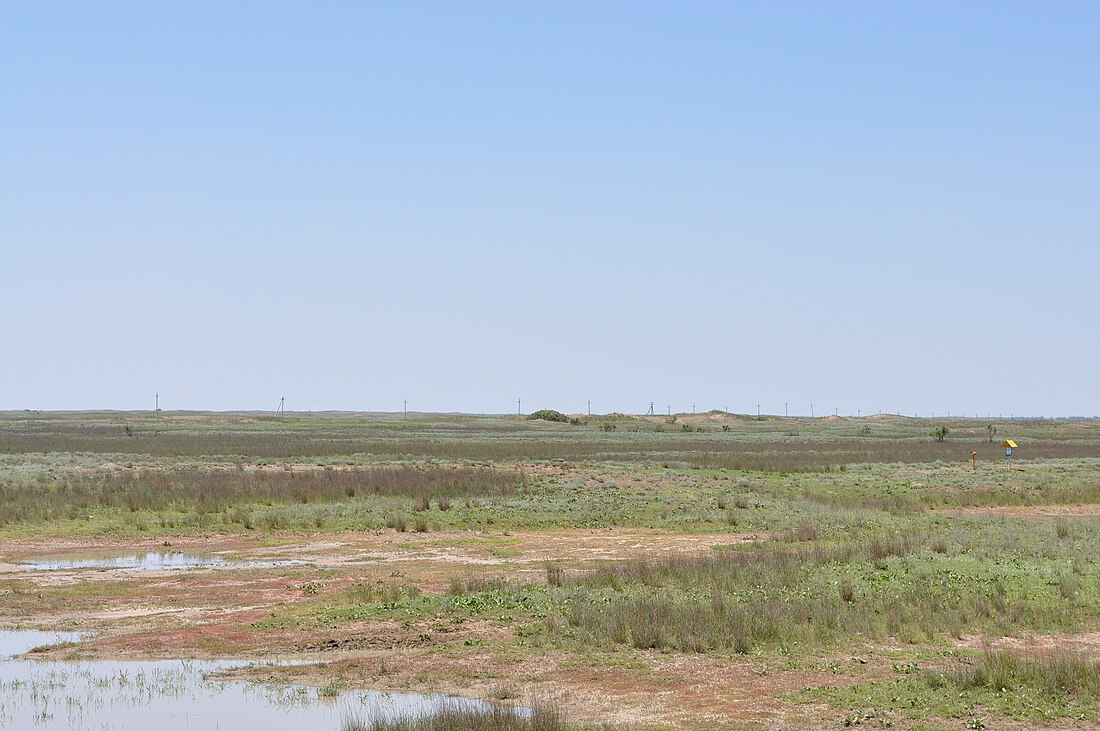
(700, 571)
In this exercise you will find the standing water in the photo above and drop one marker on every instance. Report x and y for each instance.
(171, 695)
(149, 561)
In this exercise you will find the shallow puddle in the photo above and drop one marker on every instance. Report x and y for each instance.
(17, 642)
(173, 695)
(148, 561)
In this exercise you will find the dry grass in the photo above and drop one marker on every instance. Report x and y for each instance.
(206, 490)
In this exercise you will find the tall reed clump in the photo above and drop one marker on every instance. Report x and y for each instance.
(544, 715)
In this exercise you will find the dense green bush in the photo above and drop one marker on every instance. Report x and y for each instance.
(549, 415)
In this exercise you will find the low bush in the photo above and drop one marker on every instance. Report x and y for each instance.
(549, 415)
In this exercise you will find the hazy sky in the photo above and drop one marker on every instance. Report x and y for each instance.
(872, 206)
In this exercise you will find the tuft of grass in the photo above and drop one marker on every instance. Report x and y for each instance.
(1057, 674)
(554, 573)
(802, 532)
(503, 692)
(1039, 689)
(544, 715)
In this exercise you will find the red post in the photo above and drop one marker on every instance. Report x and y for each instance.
(973, 459)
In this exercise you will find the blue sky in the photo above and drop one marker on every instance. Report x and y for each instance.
(864, 206)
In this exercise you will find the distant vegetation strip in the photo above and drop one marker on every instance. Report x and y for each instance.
(210, 490)
(717, 450)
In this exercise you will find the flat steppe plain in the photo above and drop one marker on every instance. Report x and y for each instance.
(711, 571)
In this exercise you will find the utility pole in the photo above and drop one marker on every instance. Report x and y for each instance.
(590, 407)
(156, 407)
(670, 409)
(693, 409)
(519, 407)
(786, 413)
(282, 404)
(811, 411)
(406, 411)
(758, 411)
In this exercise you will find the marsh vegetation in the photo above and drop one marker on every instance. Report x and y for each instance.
(506, 557)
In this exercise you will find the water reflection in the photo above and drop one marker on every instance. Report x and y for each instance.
(171, 695)
(149, 561)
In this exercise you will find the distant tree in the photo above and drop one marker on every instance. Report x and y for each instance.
(939, 433)
(992, 432)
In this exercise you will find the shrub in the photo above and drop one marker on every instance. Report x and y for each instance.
(549, 415)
